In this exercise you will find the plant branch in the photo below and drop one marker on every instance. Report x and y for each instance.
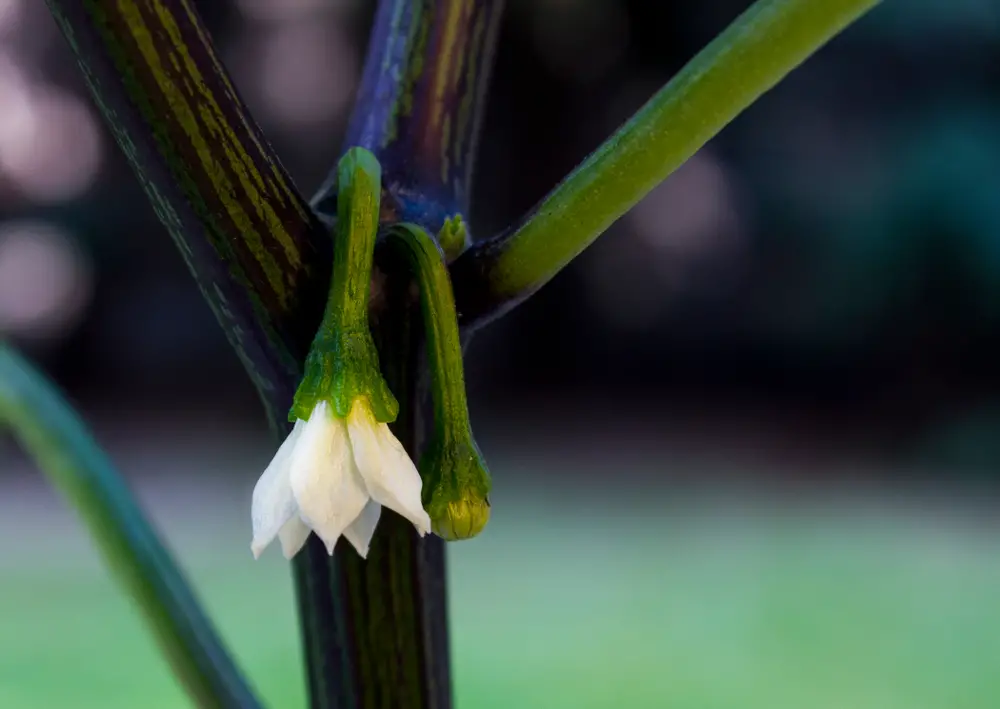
(75, 465)
(751, 56)
(421, 104)
(259, 255)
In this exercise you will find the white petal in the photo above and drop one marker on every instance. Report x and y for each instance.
(324, 478)
(363, 429)
(360, 533)
(389, 474)
(273, 503)
(293, 536)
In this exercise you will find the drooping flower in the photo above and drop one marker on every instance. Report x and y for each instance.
(340, 464)
(332, 476)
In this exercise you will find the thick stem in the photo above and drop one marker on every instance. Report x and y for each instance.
(259, 255)
(262, 261)
(421, 104)
(396, 599)
(751, 56)
(378, 637)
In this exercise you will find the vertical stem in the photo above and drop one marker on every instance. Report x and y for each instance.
(395, 600)
(353, 250)
(421, 104)
(376, 632)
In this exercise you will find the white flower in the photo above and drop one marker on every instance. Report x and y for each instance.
(332, 477)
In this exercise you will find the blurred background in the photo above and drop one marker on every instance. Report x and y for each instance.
(746, 449)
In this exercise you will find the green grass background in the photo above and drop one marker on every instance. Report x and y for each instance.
(579, 602)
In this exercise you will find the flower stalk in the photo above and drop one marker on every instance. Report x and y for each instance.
(456, 480)
(343, 362)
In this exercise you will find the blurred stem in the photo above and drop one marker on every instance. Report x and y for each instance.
(74, 464)
(751, 56)
(421, 104)
(259, 255)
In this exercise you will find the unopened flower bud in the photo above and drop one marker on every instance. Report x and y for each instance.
(456, 488)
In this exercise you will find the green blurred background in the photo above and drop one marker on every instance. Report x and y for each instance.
(746, 448)
(587, 597)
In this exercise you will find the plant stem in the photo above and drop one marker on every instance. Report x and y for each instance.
(419, 109)
(259, 255)
(444, 345)
(421, 103)
(375, 633)
(354, 250)
(75, 465)
(751, 56)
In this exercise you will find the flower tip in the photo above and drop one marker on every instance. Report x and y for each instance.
(462, 519)
(256, 549)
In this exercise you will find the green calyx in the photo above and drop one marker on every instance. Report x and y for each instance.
(342, 364)
(340, 370)
(456, 492)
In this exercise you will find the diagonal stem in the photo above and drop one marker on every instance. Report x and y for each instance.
(52, 433)
(751, 56)
(259, 255)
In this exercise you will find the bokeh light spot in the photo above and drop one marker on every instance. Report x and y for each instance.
(45, 283)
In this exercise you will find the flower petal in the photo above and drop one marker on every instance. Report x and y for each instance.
(273, 503)
(390, 476)
(360, 533)
(363, 430)
(293, 536)
(324, 478)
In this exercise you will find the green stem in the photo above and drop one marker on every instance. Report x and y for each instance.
(342, 364)
(751, 56)
(359, 177)
(444, 346)
(74, 464)
(456, 481)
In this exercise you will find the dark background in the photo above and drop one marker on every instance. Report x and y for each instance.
(829, 265)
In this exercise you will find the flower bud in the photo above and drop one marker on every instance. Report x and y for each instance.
(456, 488)
(462, 519)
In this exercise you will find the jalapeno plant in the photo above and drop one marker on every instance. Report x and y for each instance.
(289, 278)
